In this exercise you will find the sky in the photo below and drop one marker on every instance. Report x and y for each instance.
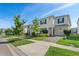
(30, 11)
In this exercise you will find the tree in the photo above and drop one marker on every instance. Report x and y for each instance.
(18, 28)
(1, 30)
(67, 33)
(8, 31)
(36, 26)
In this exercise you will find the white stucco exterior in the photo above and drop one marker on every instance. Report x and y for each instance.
(78, 26)
(55, 25)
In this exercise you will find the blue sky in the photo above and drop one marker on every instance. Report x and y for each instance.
(29, 11)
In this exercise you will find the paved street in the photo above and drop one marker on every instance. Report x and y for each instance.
(4, 50)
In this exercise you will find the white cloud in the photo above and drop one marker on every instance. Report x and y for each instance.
(57, 9)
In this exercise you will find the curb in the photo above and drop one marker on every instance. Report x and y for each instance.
(15, 51)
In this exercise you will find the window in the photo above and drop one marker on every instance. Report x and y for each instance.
(40, 22)
(44, 21)
(61, 20)
(58, 21)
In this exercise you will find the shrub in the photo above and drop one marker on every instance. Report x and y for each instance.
(43, 35)
(74, 37)
(13, 39)
(34, 34)
(26, 34)
(45, 31)
(67, 33)
(8, 32)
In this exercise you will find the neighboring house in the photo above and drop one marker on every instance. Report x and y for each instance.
(55, 25)
(74, 30)
(78, 26)
(28, 29)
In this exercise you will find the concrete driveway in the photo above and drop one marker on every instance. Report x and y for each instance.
(4, 50)
(52, 39)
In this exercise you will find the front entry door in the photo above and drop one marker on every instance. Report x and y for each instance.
(50, 31)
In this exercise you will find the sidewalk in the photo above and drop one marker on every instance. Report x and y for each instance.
(7, 49)
(39, 48)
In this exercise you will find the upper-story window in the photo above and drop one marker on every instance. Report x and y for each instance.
(44, 21)
(61, 20)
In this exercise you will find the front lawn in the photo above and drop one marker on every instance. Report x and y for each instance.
(21, 42)
(39, 38)
(68, 42)
(54, 51)
(18, 41)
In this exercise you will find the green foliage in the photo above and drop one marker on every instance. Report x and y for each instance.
(44, 31)
(13, 39)
(54, 51)
(74, 37)
(43, 35)
(8, 31)
(18, 28)
(74, 43)
(67, 33)
(1, 30)
(19, 41)
(35, 26)
(33, 34)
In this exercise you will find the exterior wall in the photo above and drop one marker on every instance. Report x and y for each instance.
(78, 26)
(66, 20)
(49, 25)
(58, 30)
(60, 27)
(50, 22)
(27, 29)
(52, 25)
(74, 30)
(78, 30)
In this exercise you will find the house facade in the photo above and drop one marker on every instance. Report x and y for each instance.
(28, 29)
(55, 25)
(78, 26)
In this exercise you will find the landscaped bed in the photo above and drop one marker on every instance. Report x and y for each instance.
(54, 51)
(68, 42)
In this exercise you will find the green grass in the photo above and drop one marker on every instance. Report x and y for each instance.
(54, 51)
(74, 37)
(74, 43)
(39, 38)
(18, 41)
(21, 42)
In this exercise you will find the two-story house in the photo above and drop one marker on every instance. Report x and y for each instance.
(55, 25)
(48, 24)
(62, 23)
(78, 26)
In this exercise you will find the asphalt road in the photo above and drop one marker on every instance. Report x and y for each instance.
(4, 50)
